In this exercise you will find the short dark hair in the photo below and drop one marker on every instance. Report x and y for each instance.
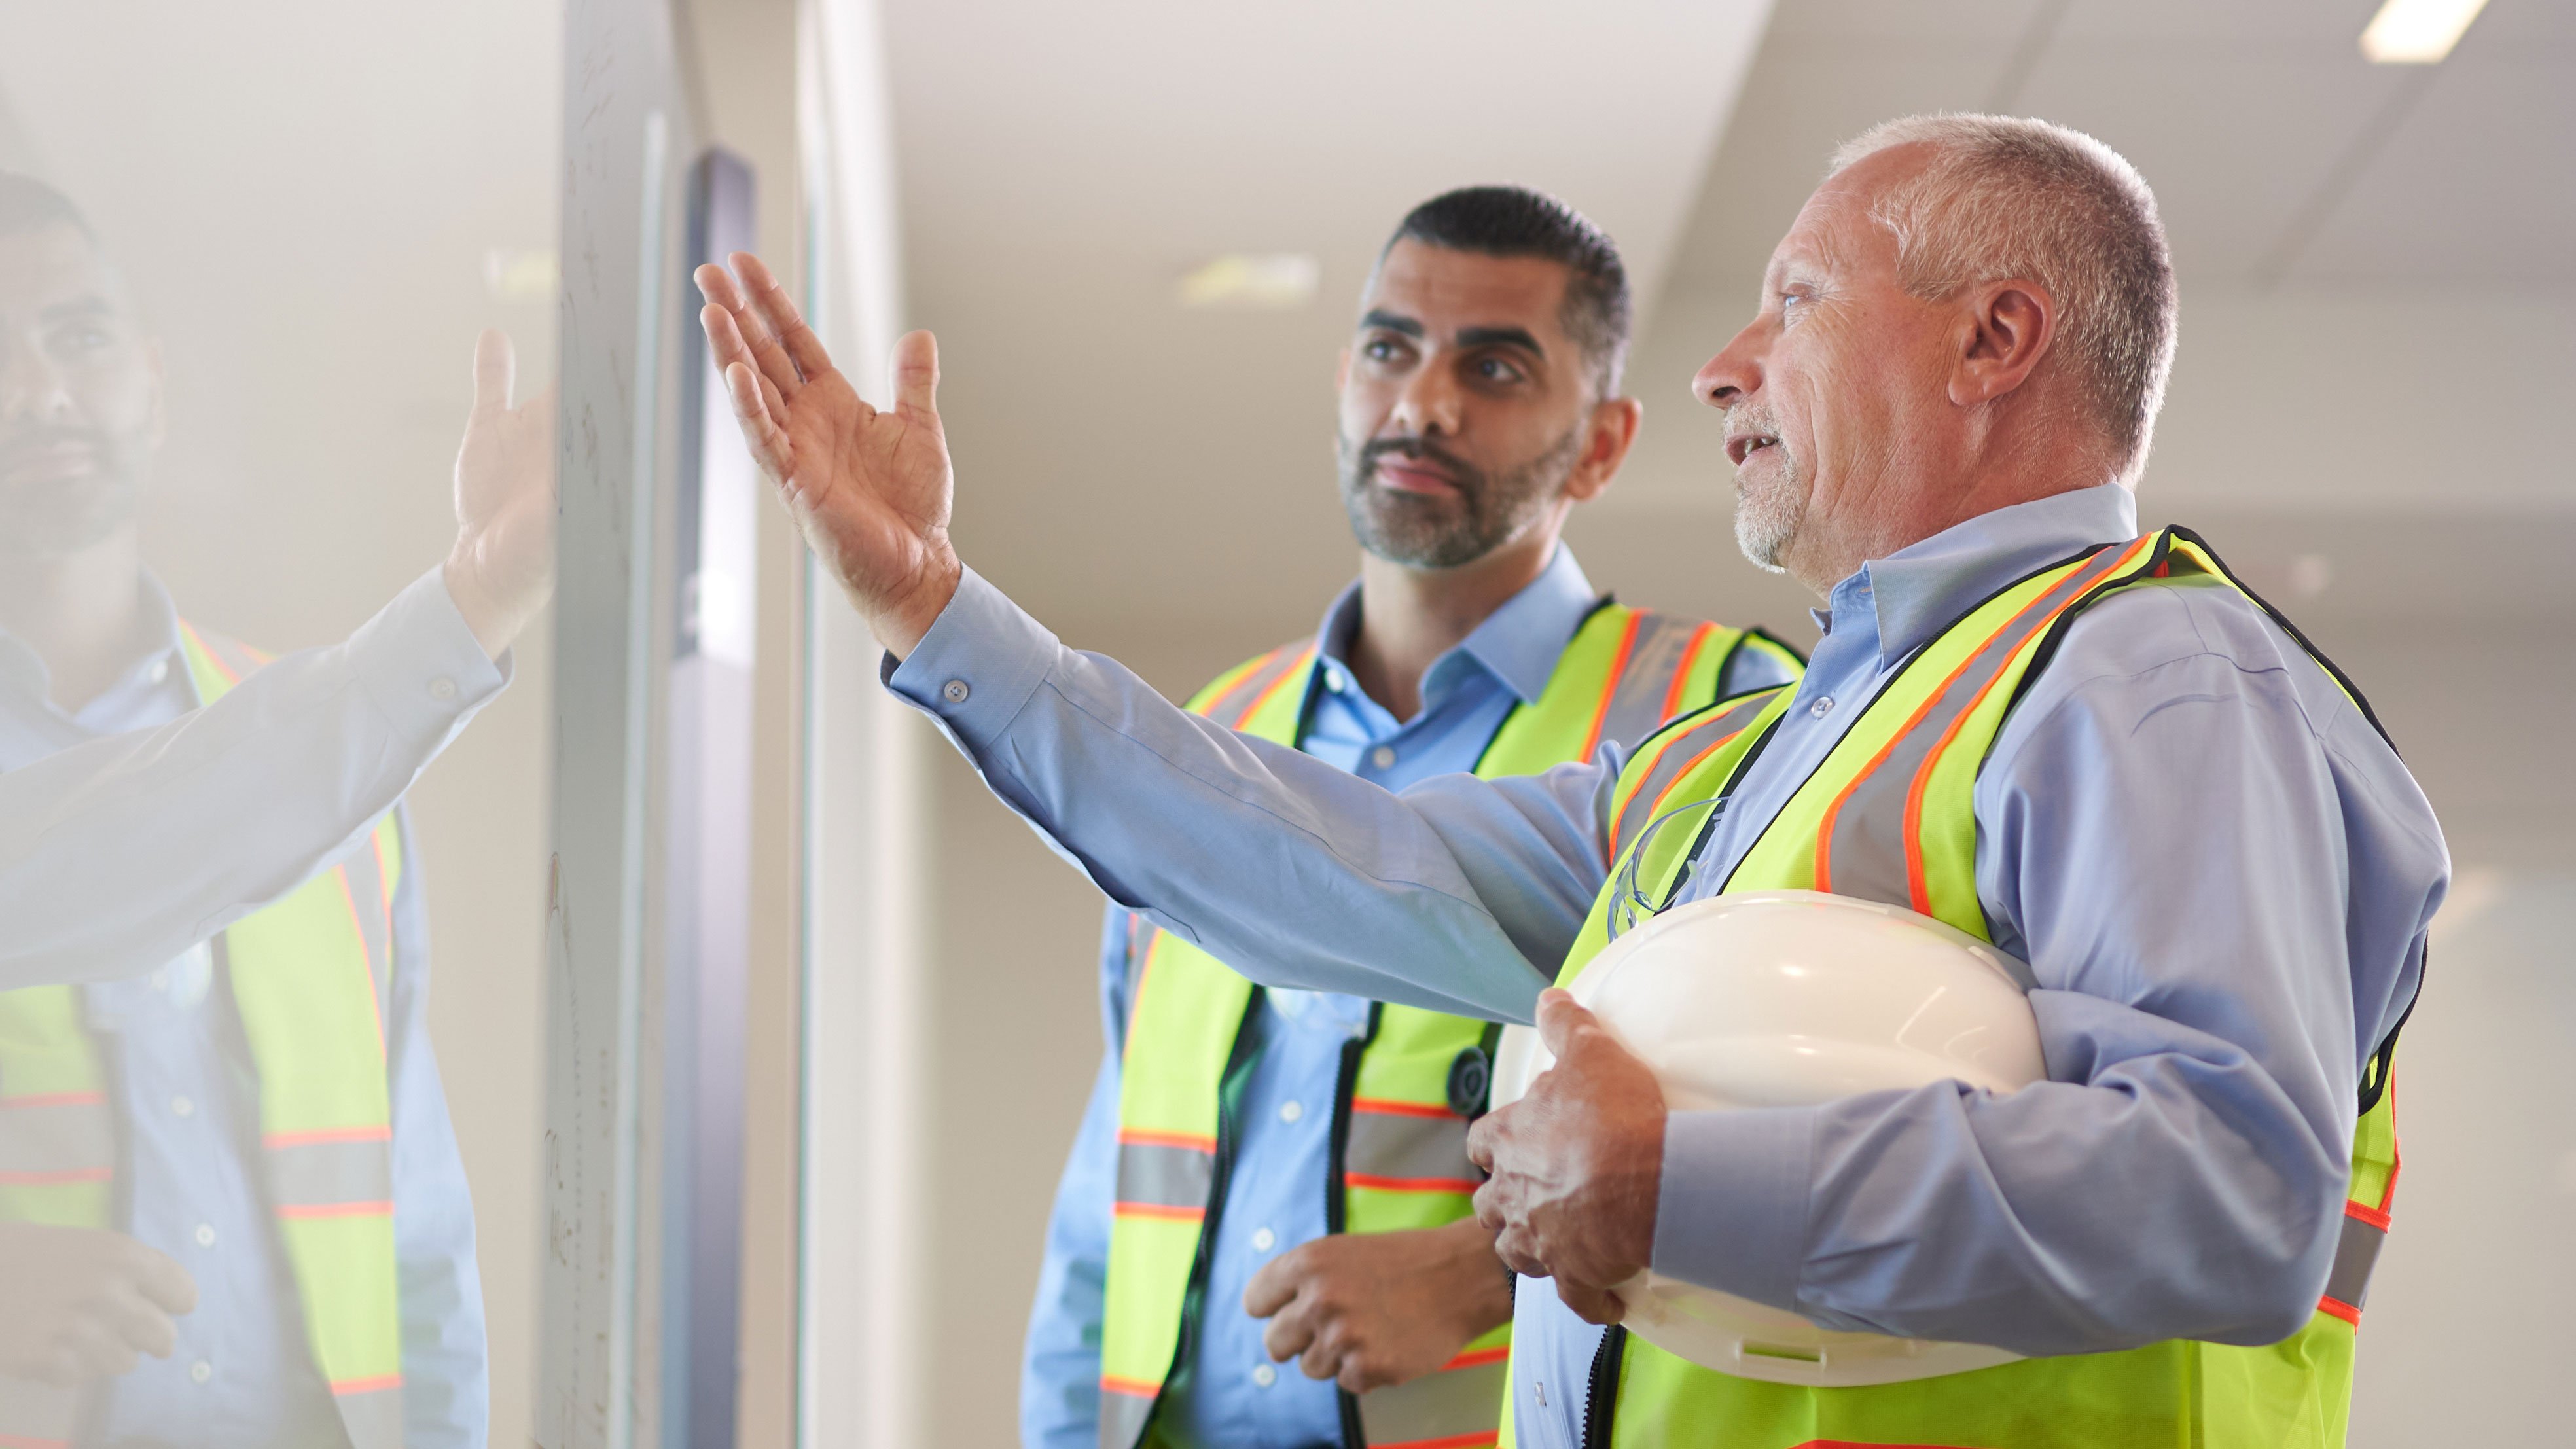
(26, 204)
(1514, 221)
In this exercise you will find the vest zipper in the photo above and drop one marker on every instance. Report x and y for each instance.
(1185, 1343)
(1601, 1396)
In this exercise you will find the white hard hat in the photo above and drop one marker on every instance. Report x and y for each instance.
(1789, 999)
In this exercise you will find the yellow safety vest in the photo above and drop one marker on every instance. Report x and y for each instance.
(1888, 816)
(310, 976)
(1407, 1089)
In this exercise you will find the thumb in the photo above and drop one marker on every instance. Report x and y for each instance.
(1271, 1289)
(496, 368)
(1560, 1016)
(916, 373)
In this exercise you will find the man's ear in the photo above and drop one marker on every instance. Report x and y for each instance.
(1607, 436)
(2008, 326)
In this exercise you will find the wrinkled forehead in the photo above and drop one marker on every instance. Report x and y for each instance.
(1834, 231)
(53, 265)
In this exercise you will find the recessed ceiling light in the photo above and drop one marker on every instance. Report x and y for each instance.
(2417, 32)
(1270, 281)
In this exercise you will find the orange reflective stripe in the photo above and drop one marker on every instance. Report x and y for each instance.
(1913, 836)
(375, 1385)
(1679, 689)
(50, 1179)
(1151, 1137)
(1132, 1388)
(1409, 1184)
(210, 656)
(2336, 1307)
(1305, 658)
(1388, 1107)
(383, 1133)
(1610, 686)
(336, 1210)
(1157, 1210)
(55, 1099)
(1618, 819)
(1478, 1358)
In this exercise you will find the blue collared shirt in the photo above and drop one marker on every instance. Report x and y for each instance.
(2219, 873)
(181, 1074)
(1229, 1393)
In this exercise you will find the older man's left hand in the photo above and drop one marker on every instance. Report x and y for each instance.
(1576, 1164)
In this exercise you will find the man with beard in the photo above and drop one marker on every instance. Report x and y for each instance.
(1300, 1156)
(2097, 750)
(202, 1148)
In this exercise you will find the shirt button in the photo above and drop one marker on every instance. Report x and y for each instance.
(1823, 706)
(201, 1371)
(182, 1107)
(1291, 1111)
(1262, 1238)
(205, 1235)
(442, 689)
(1265, 1376)
(1382, 756)
(955, 691)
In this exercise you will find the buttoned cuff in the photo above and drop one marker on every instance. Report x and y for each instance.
(1731, 1213)
(421, 665)
(976, 668)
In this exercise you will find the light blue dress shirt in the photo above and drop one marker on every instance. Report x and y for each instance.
(2219, 873)
(1229, 1393)
(182, 1076)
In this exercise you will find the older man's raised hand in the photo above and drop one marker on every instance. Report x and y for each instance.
(870, 489)
(1575, 1164)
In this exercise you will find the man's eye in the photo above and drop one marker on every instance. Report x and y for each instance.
(86, 339)
(1381, 350)
(1494, 369)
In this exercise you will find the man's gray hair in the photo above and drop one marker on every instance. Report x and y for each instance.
(2006, 196)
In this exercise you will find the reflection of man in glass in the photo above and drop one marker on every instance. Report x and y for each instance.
(240, 1163)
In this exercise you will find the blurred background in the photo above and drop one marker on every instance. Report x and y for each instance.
(761, 1141)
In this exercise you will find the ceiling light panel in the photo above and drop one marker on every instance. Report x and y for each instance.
(1250, 281)
(2417, 32)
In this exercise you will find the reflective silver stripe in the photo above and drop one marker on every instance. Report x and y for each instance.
(1691, 742)
(1234, 706)
(42, 1138)
(1386, 1145)
(1122, 1418)
(37, 1416)
(1435, 1407)
(2356, 1252)
(1646, 680)
(317, 1174)
(1867, 857)
(374, 1418)
(1165, 1176)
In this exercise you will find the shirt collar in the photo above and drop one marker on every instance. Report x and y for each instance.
(1920, 589)
(1518, 643)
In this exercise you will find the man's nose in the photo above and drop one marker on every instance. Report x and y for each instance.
(31, 386)
(1735, 371)
(1428, 404)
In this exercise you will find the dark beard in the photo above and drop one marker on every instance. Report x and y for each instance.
(57, 518)
(1444, 533)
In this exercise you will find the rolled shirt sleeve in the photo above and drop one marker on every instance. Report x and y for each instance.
(120, 853)
(1458, 894)
(2221, 878)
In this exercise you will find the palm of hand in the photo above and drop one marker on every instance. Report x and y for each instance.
(870, 489)
(505, 497)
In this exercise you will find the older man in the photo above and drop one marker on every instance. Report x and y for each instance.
(2189, 827)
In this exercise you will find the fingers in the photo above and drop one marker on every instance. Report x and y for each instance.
(139, 1325)
(1274, 1287)
(759, 343)
(1480, 1139)
(767, 441)
(1559, 1017)
(161, 1281)
(496, 368)
(1289, 1335)
(779, 311)
(916, 374)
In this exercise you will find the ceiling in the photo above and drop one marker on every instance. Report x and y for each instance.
(2356, 243)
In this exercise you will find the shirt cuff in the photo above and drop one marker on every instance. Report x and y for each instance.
(976, 668)
(1731, 1212)
(422, 666)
